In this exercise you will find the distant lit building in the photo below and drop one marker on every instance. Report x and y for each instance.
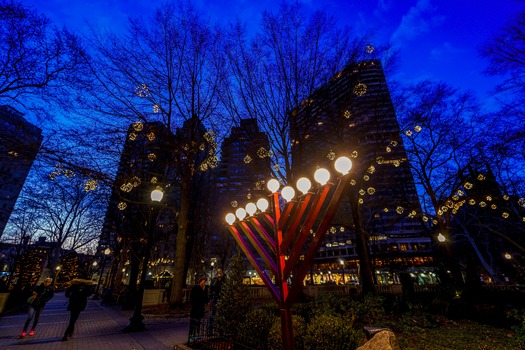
(353, 115)
(241, 175)
(19, 145)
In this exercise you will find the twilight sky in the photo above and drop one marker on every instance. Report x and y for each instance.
(439, 39)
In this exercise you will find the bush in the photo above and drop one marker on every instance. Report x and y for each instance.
(275, 337)
(256, 327)
(331, 332)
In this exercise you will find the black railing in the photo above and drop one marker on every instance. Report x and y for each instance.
(203, 335)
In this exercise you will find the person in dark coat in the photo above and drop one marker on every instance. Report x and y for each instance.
(41, 295)
(199, 300)
(78, 294)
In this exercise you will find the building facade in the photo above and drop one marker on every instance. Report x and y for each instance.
(19, 145)
(353, 115)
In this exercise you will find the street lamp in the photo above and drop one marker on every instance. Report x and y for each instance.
(135, 321)
(57, 271)
(342, 262)
(285, 240)
(106, 252)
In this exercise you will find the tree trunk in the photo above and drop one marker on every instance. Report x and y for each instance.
(179, 274)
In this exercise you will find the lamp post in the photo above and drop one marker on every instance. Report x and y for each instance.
(342, 262)
(135, 321)
(106, 252)
(294, 231)
(57, 271)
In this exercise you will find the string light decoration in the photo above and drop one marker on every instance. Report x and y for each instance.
(137, 126)
(369, 49)
(360, 89)
(156, 108)
(90, 185)
(122, 206)
(132, 136)
(347, 114)
(247, 159)
(151, 136)
(331, 155)
(142, 90)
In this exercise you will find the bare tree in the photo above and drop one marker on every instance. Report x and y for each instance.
(167, 69)
(445, 135)
(274, 72)
(38, 62)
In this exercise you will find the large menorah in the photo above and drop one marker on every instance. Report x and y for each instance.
(284, 241)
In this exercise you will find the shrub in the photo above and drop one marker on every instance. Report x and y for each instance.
(299, 328)
(331, 332)
(234, 302)
(256, 327)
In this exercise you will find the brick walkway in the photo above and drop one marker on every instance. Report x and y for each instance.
(99, 327)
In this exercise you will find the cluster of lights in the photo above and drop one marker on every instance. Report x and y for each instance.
(59, 170)
(90, 185)
(342, 165)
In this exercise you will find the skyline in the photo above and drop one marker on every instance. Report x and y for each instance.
(437, 40)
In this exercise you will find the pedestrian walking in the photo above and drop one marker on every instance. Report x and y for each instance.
(198, 299)
(78, 294)
(41, 295)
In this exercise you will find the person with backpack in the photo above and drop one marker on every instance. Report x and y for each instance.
(78, 294)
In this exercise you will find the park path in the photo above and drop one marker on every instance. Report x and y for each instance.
(98, 328)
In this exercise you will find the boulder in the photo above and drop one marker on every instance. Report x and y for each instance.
(382, 340)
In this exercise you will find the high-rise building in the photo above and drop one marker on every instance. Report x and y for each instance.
(353, 115)
(241, 175)
(19, 145)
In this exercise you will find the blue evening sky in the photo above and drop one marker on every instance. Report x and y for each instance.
(439, 39)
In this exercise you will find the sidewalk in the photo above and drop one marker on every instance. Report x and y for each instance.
(99, 327)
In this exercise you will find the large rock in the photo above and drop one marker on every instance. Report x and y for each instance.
(383, 340)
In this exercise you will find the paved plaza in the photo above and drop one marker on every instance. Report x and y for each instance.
(99, 327)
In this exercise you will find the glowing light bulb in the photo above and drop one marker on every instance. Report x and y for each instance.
(230, 218)
(441, 238)
(343, 165)
(262, 204)
(240, 213)
(288, 193)
(304, 185)
(251, 208)
(322, 176)
(273, 185)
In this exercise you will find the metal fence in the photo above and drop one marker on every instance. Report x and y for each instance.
(205, 336)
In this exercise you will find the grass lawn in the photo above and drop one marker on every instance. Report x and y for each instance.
(458, 335)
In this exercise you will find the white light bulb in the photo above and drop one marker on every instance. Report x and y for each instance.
(262, 204)
(251, 208)
(304, 185)
(273, 185)
(230, 218)
(240, 213)
(441, 238)
(322, 176)
(343, 165)
(288, 193)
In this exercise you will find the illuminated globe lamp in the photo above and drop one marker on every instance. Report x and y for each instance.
(273, 185)
(240, 213)
(288, 193)
(157, 194)
(441, 238)
(230, 218)
(304, 185)
(322, 176)
(343, 165)
(251, 208)
(263, 204)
